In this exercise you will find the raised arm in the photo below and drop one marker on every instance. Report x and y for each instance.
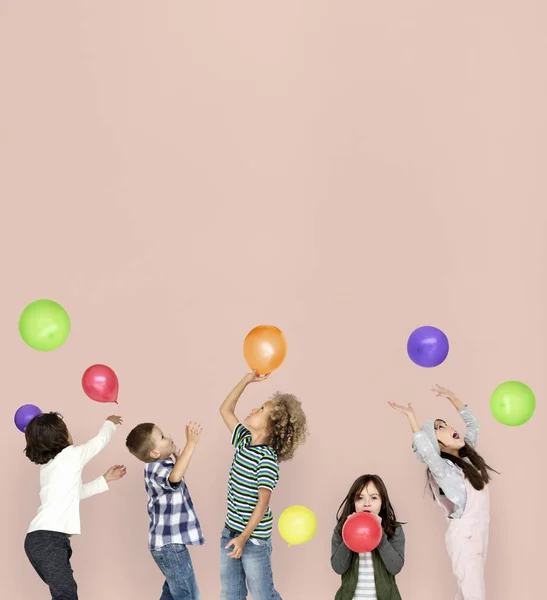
(469, 418)
(227, 408)
(193, 434)
(422, 443)
(90, 449)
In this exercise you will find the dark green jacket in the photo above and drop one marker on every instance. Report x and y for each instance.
(388, 560)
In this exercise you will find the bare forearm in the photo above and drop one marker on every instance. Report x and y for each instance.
(182, 463)
(456, 403)
(256, 517)
(230, 402)
(415, 426)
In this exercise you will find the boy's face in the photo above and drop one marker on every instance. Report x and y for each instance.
(162, 444)
(257, 420)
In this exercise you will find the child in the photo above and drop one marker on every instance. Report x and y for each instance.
(369, 575)
(47, 544)
(173, 521)
(458, 478)
(270, 435)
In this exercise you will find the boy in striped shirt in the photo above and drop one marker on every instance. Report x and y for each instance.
(269, 435)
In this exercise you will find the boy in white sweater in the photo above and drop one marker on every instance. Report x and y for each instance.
(47, 544)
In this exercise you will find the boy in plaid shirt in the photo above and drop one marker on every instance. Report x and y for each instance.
(173, 521)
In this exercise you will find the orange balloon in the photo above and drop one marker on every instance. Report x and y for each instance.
(265, 348)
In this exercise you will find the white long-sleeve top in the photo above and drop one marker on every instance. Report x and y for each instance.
(61, 486)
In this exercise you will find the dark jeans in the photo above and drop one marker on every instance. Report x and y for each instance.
(49, 553)
(176, 565)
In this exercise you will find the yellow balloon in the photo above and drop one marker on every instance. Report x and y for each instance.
(297, 525)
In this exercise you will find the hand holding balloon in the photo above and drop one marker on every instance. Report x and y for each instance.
(254, 377)
(362, 532)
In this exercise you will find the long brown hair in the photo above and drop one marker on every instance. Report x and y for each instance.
(475, 468)
(387, 513)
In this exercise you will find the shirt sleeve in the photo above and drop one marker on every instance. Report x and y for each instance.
(340, 556)
(471, 426)
(90, 449)
(97, 486)
(392, 551)
(160, 477)
(240, 434)
(437, 465)
(267, 473)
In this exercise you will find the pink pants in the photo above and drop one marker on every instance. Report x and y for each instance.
(467, 544)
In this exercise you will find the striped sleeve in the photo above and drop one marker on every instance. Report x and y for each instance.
(267, 473)
(240, 434)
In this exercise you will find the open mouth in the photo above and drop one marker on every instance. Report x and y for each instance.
(456, 436)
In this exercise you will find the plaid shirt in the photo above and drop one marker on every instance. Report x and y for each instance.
(173, 519)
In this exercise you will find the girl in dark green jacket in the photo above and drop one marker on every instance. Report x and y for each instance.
(370, 575)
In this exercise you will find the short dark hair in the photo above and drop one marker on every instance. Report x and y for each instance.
(46, 435)
(138, 441)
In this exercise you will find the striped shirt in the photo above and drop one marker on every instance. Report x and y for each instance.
(366, 586)
(253, 467)
(173, 519)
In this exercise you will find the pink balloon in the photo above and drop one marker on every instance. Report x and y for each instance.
(362, 532)
(100, 383)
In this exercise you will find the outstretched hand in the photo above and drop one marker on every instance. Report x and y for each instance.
(443, 392)
(193, 432)
(114, 473)
(406, 410)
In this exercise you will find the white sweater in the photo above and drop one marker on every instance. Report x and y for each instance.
(61, 487)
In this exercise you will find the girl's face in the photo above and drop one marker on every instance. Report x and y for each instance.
(449, 439)
(368, 500)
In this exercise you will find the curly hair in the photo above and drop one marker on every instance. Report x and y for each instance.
(287, 425)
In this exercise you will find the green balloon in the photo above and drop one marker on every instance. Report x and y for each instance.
(44, 325)
(512, 403)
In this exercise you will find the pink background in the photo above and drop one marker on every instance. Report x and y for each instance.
(175, 173)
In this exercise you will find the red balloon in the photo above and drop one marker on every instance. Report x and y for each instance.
(100, 383)
(362, 532)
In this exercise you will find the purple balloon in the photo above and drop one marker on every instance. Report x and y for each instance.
(24, 416)
(427, 346)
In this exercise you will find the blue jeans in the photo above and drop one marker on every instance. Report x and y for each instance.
(176, 565)
(253, 570)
